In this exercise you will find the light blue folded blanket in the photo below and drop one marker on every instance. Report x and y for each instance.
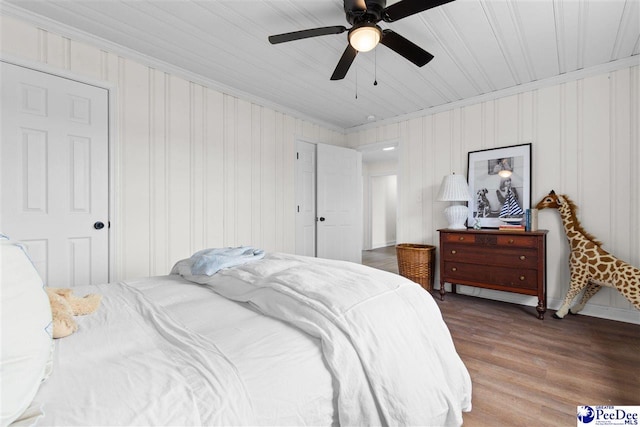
(210, 261)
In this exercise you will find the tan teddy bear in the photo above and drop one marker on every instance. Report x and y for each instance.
(64, 305)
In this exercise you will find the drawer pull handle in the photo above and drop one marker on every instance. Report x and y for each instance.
(522, 257)
(454, 252)
(510, 241)
(461, 238)
(522, 278)
(454, 269)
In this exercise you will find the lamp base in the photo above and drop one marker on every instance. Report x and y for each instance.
(456, 216)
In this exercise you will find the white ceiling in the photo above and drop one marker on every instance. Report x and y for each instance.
(480, 46)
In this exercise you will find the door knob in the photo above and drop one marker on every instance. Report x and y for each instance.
(98, 225)
(321, 218)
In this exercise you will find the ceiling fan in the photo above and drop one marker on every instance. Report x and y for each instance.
(365, 33)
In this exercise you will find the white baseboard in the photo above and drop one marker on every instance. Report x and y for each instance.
(609, 313)
(383, 245)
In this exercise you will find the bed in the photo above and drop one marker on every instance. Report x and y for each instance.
(283, 340)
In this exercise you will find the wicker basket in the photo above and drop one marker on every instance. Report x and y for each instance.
(417, 263)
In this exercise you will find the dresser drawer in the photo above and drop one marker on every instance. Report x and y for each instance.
(459, 238)
(508, 240)
(473, 254)
(491, 276)
(517, 241)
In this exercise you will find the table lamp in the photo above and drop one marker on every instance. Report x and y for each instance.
(454, 189)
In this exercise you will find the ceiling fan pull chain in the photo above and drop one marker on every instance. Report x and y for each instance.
(356, 83)
(375, 67)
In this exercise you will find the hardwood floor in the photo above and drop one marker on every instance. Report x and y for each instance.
(381, 258)
(527, 371)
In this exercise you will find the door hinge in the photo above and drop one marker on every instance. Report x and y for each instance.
(297, 156)
(298, 208)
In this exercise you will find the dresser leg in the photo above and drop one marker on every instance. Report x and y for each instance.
(442, 291)
(541, 309)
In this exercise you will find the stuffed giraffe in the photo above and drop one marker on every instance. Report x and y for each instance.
(591, 267)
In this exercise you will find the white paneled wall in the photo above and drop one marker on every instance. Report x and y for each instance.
(586, 144)
(193, 167)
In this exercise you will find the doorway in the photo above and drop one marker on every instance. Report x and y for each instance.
(384, 202)
(381, 179)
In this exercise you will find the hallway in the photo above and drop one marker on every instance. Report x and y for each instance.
(381, 258)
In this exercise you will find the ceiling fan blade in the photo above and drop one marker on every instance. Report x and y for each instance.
(345, 62)
(405, 8)
(305, 34)
(404, 47)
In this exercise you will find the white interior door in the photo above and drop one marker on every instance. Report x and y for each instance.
(339, 199)
(54, 178)
(305, 199)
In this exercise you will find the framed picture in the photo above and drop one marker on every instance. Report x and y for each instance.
(500, 184)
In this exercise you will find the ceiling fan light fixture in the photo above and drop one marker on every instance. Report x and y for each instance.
(365, 37)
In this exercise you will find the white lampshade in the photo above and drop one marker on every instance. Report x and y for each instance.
(454, 188)
(365, 38)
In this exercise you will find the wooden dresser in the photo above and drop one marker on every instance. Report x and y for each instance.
(512, 261)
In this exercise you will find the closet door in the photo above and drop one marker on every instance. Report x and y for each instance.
(54, 188)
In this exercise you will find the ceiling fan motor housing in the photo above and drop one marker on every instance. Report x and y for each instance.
(372, 14)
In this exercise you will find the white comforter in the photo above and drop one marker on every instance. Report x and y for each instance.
(131, 363)
(382, 336)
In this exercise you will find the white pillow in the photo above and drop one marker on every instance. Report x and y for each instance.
(26, 330)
